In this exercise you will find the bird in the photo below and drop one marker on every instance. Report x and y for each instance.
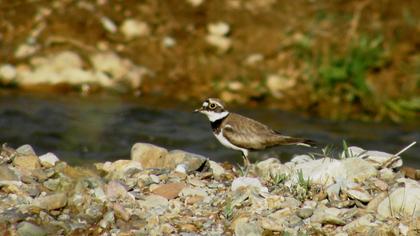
(241, 133)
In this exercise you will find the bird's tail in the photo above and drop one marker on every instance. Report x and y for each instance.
(297, 141)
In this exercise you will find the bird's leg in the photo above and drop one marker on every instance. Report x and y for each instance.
(246, 160)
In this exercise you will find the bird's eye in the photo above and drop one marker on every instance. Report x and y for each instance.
(212, 105)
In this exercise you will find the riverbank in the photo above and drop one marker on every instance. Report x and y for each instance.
(163, 192)
(321, 61)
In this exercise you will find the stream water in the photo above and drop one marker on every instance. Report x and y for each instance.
(84, 130)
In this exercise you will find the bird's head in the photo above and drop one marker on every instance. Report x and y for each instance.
(213, 108)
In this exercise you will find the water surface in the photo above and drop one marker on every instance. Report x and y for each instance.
(83, 130)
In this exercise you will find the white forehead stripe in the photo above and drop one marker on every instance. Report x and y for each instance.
(205, 104)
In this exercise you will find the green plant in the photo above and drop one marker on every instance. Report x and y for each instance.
(349, 70)
(302, 182)
(278, 179)
(228, 210)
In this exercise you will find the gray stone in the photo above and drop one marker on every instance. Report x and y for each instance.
(216, 169)
(29, 229)
(246, 182)
(243, 228)
(191, 160)
(51, 202)
(132, 28)
(26, 149)
(28, 162)
(403, 201)
(7, 174)
(149, 155)
(48, 160)
(271, 168)
(305, 213)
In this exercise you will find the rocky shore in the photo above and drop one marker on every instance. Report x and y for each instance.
(161, 192)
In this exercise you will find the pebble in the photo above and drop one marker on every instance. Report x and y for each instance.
(29, 162)
(48, 160)
(132, 29)
(51, 202)
(29, 229)
(169, 191)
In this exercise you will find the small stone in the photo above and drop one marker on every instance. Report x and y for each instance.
(194, 192)
(25, 50)
(49, 159)
(51, 202)
(149, 155)
(219, 28)
(7, 72)
(359, 194)
(120, 169)
(216, 169)
(108, 219)
(223, 44)
(195, 3)
(29, 229)
(115, 190)
(7, 174)
(277, 84)
(245, 182)
(26, 150)
(168, 42)
(305, 213)
(191, 160)
(29, 162)
(108, 24)
(243, 228)
(132, 28)
(155, 201)
(254, 59)
(271, 168)
(121, 212)
(169, 191)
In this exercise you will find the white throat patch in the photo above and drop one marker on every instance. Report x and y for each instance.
(213, 116)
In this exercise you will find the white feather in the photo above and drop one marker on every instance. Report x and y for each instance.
(213, 116)
(228, 144)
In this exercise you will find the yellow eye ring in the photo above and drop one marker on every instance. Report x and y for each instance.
(212, 105)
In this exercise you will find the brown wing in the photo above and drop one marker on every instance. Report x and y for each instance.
(247, 133)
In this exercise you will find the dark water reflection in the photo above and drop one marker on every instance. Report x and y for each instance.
(82, 130)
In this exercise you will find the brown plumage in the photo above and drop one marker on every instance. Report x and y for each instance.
(254, 135)
(242, 133)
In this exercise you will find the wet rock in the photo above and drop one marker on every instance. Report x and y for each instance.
(245, 182)
(48, 159)
(132, 28)
(26, 150)
(30, 229)
(169, 191)
(28, 162)
(305, 213)
(51, 202)
(149, 155)
(403, 201)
